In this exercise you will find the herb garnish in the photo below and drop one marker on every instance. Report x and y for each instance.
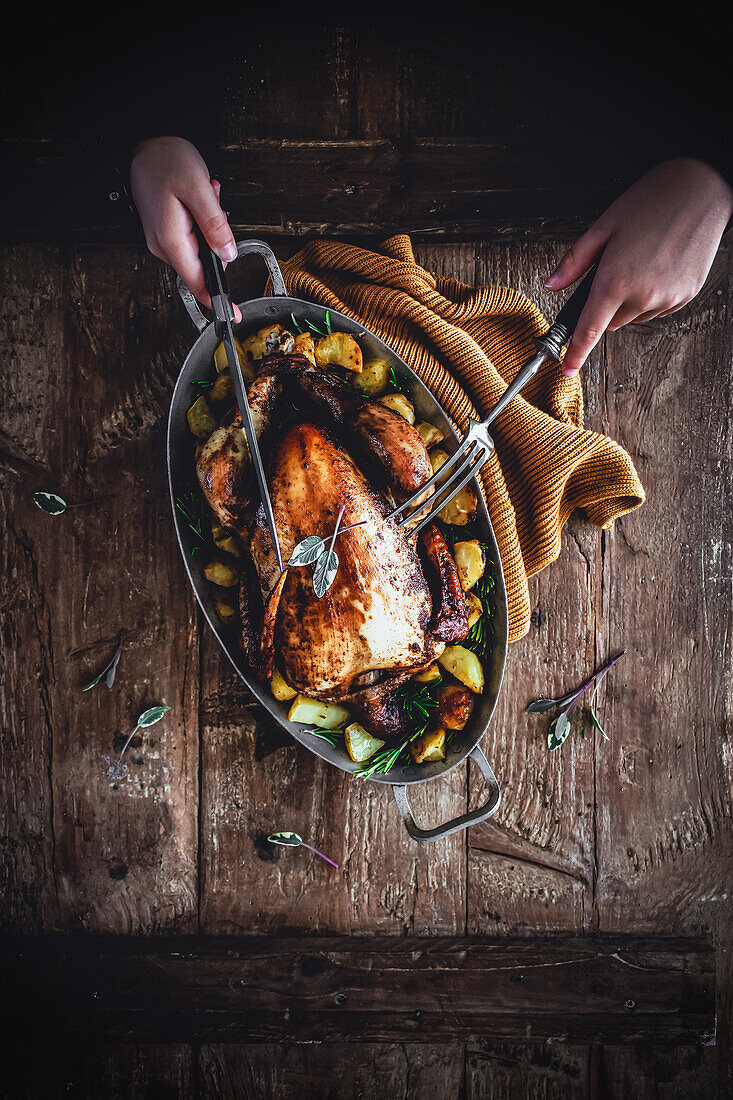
(49, 502)
(314, 328)
(399, 381)
(192, 507)
(293, 840)
(203, 383)
(416, 699)
(108, 673)
(313, 549)
(560, 726)
(147, 718)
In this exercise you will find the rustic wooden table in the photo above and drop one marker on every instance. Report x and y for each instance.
(601, 840)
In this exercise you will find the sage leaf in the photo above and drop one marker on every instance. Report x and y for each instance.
(325, 572)
(108, 673)
(50, 503)
(558, 732)
(307, 551)
(151, 716)
(540, 706)
(291, 839)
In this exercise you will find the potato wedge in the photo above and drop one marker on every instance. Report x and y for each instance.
(455, 704)
(230, 546)
(462, 509)
(429, 433)
(339, 350)
(429, 747)
(438, 458)
(305, 346)
(464, 665)
(374, 378)
(280, 688)
(221, 393)
(313, 712)
(430, 674)
(398, 403)
(360, 744)
(475, 608)
(226, 611)
(222, 570)
(221, 364)
(470, 561)
(201, 419)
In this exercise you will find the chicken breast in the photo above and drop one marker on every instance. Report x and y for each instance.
(376, 614)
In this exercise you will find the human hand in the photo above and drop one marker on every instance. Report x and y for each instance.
(658, 241)
(171, 188)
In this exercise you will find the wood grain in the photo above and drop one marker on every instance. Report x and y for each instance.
(374, 989)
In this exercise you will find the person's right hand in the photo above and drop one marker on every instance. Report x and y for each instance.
(172, 188)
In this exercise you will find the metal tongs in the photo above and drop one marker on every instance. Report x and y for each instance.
(477, 444)
(223, 310)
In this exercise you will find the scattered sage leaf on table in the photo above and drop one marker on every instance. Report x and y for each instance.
(560, 726)
(50, 502)
(108, 673)
(558, 732)
(147, 718)
(293, 840)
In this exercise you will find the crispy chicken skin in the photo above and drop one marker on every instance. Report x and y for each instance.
(375, 615)
(392, 607)
(385, 441)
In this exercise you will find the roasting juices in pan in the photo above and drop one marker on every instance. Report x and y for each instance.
(374, 634)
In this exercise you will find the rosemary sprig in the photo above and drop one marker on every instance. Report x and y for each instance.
(203, 383)
(386, 759)
(334, 737)
(400, 382)
(416, 699)
(192, 507)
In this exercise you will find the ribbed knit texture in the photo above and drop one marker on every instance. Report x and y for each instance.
(467, 343)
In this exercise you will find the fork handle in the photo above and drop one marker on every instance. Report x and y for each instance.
(549, 345)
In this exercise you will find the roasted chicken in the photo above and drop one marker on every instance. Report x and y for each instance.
(393, 605)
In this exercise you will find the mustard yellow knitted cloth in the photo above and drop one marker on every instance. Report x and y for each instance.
(467, 343)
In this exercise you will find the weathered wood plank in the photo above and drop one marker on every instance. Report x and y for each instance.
(87, 1071)
(665, 835)
(255, 781)
(368, 989)
(330, 1071)
(89, 425)
(527, 1071)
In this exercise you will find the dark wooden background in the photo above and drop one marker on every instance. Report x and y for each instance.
(630, 836)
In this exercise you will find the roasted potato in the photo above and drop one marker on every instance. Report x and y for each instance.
(429, 747)
(280, 688)
(438, 459)
(221, 394)
(429, 434)
(432, 673)
(475, 608)
(374, 378)
(455, 703)
(313, 712)
(470, 561)
(245, 362)
(305, 346)
(201, 419)
(398, 403)
(230, 546)
(226, 611)
(222, 570)
(360, 744)
(269, 339)
(464, 665)
(462, 509)
(339, 350)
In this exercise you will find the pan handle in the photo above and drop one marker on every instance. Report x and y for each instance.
(458, 823)
(243, 248)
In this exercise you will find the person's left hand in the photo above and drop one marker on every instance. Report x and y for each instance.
(658, 241)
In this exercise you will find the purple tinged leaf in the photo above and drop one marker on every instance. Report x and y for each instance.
(540, 706)
(108, 673)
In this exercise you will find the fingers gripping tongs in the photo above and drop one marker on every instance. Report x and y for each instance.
(223, 310)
